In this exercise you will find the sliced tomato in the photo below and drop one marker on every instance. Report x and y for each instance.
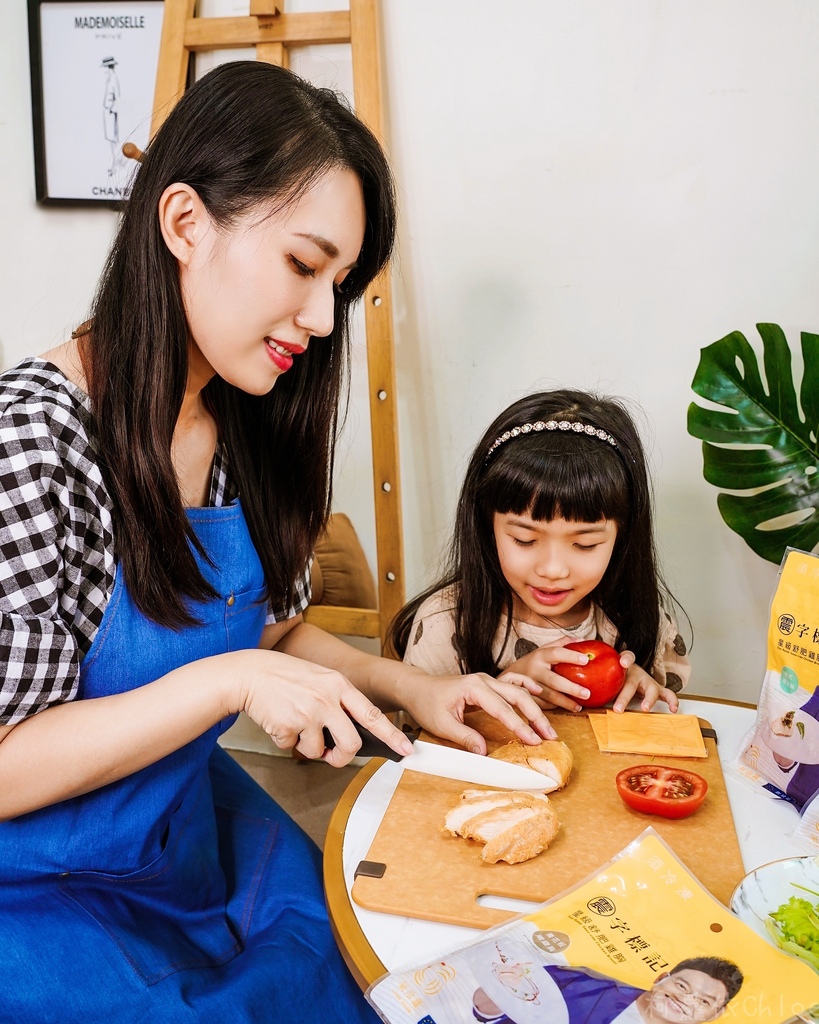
(658, 789)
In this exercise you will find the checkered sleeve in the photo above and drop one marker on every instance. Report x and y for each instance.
(55, 571)
(39, 653)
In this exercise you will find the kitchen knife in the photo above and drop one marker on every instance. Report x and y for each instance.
(434, 759)
(450, 763)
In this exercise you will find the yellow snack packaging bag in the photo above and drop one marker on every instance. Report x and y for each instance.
(781, 753)
(639, 940)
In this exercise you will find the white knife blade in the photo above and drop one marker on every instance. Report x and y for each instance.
(433, 759)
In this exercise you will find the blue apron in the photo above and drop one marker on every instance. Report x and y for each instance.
(182, 892)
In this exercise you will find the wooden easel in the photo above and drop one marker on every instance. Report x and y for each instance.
(273, 32)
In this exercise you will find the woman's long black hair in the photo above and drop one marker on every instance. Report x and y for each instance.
(248, 135)
(546, 475)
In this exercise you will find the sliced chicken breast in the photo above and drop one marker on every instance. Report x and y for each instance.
(523, 840)
(475, 802)
(513, 826)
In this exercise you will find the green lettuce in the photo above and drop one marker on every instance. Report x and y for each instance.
(794, 927)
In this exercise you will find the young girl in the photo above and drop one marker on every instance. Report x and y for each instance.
(164, 476)
(553, 543)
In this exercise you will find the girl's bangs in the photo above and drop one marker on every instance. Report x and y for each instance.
(581, 487)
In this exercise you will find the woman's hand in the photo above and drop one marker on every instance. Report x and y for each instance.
(439, 704)
(552, 690)
(639, 681)
(295, 700)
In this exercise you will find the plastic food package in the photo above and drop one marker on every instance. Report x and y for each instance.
(641, 930)
(781, 753)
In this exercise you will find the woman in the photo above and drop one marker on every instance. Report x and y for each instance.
(165, 475)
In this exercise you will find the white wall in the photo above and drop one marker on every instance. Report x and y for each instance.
(50, 257)
(590, 193)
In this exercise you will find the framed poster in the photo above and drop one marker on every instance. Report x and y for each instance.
(93, 72)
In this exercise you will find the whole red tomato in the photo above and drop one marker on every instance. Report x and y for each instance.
(603, 676)
(658, 789)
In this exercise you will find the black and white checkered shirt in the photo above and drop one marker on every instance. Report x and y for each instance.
(57, 562)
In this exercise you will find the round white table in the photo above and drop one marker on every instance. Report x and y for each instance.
(374, 943)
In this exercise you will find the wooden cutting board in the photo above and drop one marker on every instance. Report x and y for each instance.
(432, 875)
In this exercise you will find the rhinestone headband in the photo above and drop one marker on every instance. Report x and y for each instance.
(562, 425)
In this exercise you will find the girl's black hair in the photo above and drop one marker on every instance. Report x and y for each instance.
(546, 475)
(248, 135)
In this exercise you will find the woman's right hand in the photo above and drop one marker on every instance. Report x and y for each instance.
(295, 700)
(555, 690)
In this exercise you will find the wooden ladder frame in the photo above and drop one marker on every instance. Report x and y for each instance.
(272, 32)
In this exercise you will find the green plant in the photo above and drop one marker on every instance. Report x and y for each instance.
(764, 445)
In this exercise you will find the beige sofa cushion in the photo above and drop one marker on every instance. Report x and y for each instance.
(340, 573)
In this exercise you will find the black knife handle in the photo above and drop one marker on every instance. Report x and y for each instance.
(371, 746)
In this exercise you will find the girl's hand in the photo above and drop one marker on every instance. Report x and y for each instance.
(294, 700)
(552, 690)
(439, 703)
(639, 681)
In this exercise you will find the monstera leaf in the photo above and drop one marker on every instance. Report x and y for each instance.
(764, 444)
